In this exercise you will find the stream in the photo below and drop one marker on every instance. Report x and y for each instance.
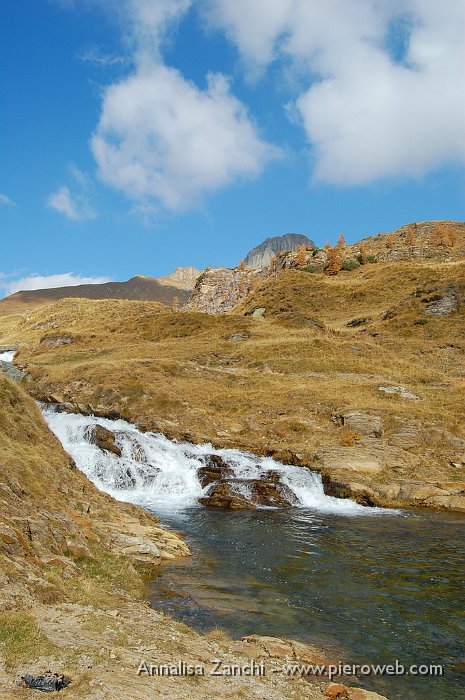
(369, 585)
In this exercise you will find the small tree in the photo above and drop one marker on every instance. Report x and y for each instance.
(333, 261)
(341, 241)
(390, 240)
(327, 245)
(241, 265)
(362, 254)
(410, 238)
(301, 256)
(443, 235)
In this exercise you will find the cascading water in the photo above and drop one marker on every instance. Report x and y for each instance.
(7, 356)
(162, 474)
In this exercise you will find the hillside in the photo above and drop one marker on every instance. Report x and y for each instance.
(73, 571)
(352, 374)
(163, 290)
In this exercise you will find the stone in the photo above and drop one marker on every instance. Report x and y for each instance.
(355, 322)
(336, 690)
(104, 439)
(361, 422)
(238, 337)
(223, 495)
(361, 694)
(400, 391)
(220, 290)
(54, 341)
(140, 549)
(215, 469)
(356, 459)
(259, 314)
(271, 493)
(444, 306)
(273, 646)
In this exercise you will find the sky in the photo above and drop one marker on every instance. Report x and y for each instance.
(139, 135)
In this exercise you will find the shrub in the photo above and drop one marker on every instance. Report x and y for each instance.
(309, 268)
(349, 265)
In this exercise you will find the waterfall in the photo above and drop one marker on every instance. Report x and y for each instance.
(162, 474)
(7, 356)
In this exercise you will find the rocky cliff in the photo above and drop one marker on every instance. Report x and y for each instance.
(260, 256)
(219, 290)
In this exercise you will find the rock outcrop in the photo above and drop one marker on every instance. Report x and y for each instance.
(260, 256)
(181, 277)
(220, 290)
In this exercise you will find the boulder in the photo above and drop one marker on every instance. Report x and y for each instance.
(356, 459)
(215, 469)
(141, 550)
(271, 493)
(104, 439)
(444, 306)
(361, 422)
(223, 495)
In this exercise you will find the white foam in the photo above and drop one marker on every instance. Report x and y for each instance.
(7, 356)
(162, 474)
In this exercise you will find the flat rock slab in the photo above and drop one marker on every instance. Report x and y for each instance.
(400, 391)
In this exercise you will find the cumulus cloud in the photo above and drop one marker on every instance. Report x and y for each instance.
(6, 200)
(377, 104)
(163, 140)
(66, 279)
(162, 137)
(74, 206)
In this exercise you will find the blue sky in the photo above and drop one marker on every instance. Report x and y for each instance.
(138, 135)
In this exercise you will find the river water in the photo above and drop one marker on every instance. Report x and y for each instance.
(369, 585)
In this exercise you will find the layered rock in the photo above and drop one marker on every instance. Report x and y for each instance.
(220, 290)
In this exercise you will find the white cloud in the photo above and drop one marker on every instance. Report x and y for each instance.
(366, 114)
(161, 137)
(74, 207)
(6, 200)
(66, 279)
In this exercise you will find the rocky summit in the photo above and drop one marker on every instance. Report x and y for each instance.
(260, 256)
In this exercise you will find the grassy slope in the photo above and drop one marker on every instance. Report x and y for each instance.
(277, 390)
(81, 613)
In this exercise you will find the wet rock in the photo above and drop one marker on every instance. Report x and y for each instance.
(272, 494)
(215, 469)
(104, 439)
(249, 493)
(224, 495)
(400, 391)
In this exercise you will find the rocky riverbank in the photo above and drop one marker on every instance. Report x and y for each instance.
(73, 566)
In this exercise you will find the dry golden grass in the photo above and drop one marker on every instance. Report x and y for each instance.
(182, 374)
